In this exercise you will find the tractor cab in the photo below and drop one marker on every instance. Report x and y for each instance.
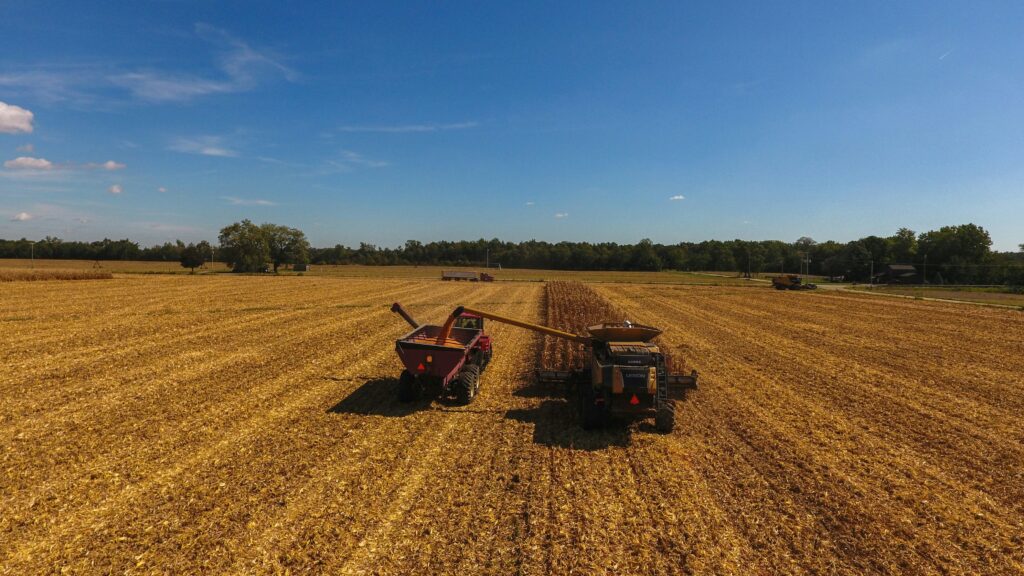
(472, 321)
(482, 355)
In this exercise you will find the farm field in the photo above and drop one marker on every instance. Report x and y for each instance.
(406, 272)
(248, 424)
(983, 296)
(111, 266)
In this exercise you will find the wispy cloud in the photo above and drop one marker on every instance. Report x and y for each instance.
(205, 145)
(115, 189)
(54, 84)
(21, 217)
(243, 68)
(677, 197)
(29, 163)
(947, 53)
(530, 203)
(235, 201)
(350, 160)
(29, 148)
(561, 215)
(15, 119)
(407, 128)
(161, 189)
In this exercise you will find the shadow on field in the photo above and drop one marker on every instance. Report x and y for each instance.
(555, 422)
(377, 397)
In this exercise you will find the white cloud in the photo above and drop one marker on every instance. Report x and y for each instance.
(29, 163)
(161, 189)
(14, 119)
(235, 201)
(115, 189)
(561, 215)
(530, 203)
(243, 67)
(21, 217)
(205, 145)
(677, 197)
(27, 148)
(407, 128)
(108, 165)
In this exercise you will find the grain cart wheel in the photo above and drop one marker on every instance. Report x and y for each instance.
(409, 388)
(466, 384)
(665, 416)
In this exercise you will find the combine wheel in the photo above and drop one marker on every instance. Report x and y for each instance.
(665, 416)
(467, 384)
(592, 415)
(410, 388)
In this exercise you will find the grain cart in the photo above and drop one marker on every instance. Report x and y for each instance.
(453, 363)
(625, 371)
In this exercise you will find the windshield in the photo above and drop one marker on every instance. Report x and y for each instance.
(474, 323)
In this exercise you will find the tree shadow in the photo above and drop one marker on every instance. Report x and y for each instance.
(378, 397)
(555, 423)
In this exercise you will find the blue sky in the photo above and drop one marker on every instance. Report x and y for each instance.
(556, 121)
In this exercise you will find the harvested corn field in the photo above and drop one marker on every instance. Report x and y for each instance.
(249, 425)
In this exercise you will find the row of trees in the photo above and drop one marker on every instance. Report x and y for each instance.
(954, 254)
(960, 254)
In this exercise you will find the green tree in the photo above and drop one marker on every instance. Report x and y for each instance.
(903, 246)
(644, 257)
(956, 251)
(192, 257)
(286, 245)
(244, 247)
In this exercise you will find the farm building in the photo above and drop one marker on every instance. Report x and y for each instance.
(898, 274)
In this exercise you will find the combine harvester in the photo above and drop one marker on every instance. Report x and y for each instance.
(792, 282)
(626, 372)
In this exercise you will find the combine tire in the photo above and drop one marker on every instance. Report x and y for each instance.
(467, 384)
(665, 416)
(409, 388)
(592, 415)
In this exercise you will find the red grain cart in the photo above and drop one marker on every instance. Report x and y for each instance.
(452, 364)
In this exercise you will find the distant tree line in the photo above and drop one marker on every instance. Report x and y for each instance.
(951, 254)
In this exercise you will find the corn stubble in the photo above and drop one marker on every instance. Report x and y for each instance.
(249, 425)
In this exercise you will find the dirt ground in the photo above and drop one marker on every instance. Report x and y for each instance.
(182, 424)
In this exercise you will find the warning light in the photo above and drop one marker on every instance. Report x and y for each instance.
(421, 367)
(634, 400)
(429, 358)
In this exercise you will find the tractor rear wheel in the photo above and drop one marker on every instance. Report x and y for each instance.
(409, 388)
(466, 384)
(665, 416)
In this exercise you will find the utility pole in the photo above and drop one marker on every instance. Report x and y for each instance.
(871, 279)
(488, 258)
(925, 279)
(32, 243)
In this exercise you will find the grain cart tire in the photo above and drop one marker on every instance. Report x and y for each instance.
(466, 384)
(409, 388)
(665, 416)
